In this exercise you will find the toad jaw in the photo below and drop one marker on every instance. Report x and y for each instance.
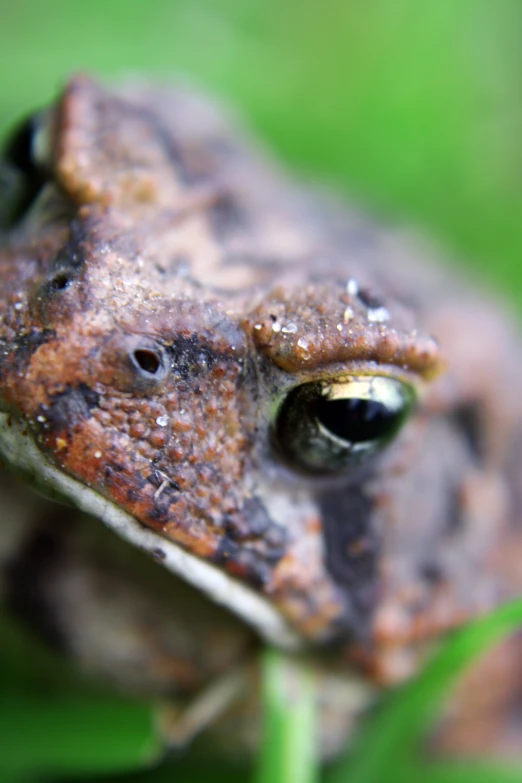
(22, 452)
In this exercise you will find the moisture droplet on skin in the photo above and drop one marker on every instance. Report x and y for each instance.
(378, 315)
(352, 287)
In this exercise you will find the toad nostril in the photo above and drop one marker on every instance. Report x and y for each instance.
(59, 282)
(147, 360)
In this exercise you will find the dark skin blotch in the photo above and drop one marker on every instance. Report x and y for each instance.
(226, 216)
(253, 524)
(468, 420)
(189, 356)
(370, 298)
(28, 343)
(177, 160)
(351, 553)
(255, 570)
(454, 519)
(68, 263)
(68, 408)
(432, 573)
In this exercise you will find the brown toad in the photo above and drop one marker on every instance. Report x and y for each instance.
(237, 375)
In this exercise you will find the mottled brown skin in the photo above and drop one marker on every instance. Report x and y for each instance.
(159, 231)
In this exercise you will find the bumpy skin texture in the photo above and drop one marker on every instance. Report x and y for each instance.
(159, 233)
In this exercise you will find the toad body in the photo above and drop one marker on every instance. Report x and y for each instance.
(314, 429)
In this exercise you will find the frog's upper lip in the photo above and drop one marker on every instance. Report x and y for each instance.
(18, 445)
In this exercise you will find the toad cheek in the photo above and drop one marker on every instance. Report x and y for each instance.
(171, 484)
(176, 553)
(225, 545)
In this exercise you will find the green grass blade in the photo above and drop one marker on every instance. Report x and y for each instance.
(469, 773)
(288, 753)
(392, 739)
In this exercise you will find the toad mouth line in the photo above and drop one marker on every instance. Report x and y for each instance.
(23, 452)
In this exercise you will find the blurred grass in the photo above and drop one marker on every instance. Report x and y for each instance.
(392, 739)
(413, 108)
(288, 753)
(72, 733)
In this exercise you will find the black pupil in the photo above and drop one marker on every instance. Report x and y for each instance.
(357, 420)
(148, 361)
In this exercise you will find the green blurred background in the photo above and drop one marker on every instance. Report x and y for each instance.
(413, 108)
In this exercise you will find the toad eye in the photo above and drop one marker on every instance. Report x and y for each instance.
(326, 426)
(22, 175)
